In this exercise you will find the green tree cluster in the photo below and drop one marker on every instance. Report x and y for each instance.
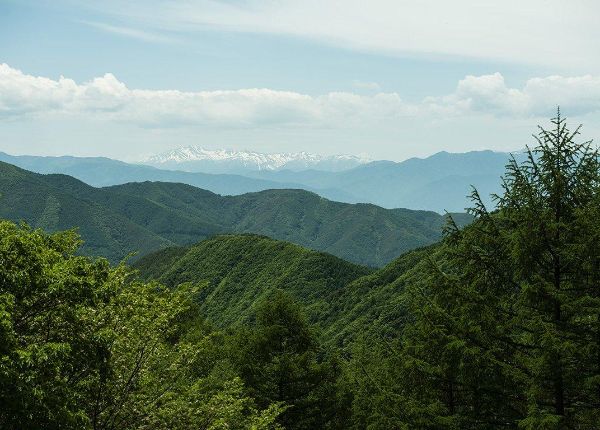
(505, 323)
(278, 357)
(84, 345)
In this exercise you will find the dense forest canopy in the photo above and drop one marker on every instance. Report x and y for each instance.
(143, 217)
(497, 326)
(505, 323)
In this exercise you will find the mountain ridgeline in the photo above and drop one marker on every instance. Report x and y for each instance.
(143, 217)
(243, 270)
(198, 159)
(102, 172)
(237, 272)
(438, 183)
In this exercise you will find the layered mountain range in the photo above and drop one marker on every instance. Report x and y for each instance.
(441, 182)
(141, 217)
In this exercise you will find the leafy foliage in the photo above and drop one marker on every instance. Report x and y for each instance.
(85, 346)
(278, 358)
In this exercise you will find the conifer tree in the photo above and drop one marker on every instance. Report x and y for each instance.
(549, 205)
(278, 361)
(506, 324)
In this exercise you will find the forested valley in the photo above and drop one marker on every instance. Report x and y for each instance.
(496, 326)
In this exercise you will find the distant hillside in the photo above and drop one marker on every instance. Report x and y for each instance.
(143, 217)
(101, 172)
(373, 304)
(112, 225)
(241, 270)
(439, 183)
(362, 233)
(343, 299)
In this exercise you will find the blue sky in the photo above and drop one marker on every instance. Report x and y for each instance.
(391, 80)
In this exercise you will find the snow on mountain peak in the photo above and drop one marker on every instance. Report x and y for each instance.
(196, 158)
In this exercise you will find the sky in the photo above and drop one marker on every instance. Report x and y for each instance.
(386, 79)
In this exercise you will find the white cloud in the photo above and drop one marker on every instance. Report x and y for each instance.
(108, 98)
(22, 94)
(554, 33)
(131, 32)
(539, 96)
(368, 86)
(579, 94)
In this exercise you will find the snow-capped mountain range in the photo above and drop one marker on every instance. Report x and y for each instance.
(198, 159)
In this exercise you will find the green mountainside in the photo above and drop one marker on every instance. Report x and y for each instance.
(440, 182)
(45, 203)
(111, 225)
(143, 217)
(102, 172)
(242, 270)
(373, 305)
(341, 298)
(362, 233)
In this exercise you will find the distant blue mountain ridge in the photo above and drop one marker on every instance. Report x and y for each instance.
(441, 182)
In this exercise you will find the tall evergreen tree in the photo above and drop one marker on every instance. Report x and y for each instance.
(279, 362)
(549, 204)
(506, 323)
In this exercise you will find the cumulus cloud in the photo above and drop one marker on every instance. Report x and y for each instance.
(539, 96)
(22, 94)
(108, 98)
(579, 94)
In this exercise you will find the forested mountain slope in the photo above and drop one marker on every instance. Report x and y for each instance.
(238, 271)
(48, 202)
(242, 270)
(362, 233)
(440, 182)
(102, 172)
(143, 217)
